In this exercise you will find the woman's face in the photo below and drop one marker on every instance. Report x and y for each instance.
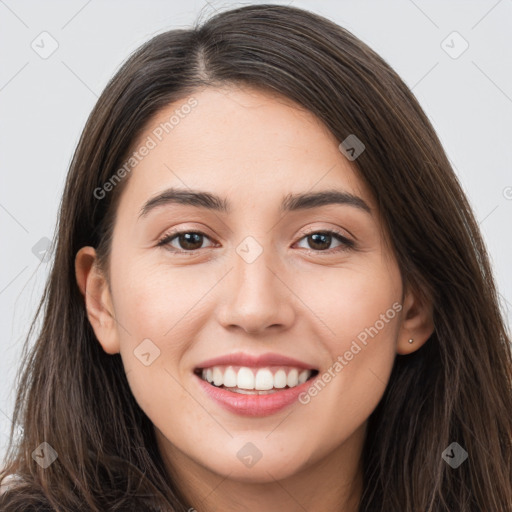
(255, 273)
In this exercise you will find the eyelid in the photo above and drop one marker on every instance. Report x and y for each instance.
(338, 231)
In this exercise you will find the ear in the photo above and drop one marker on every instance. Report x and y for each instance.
(98, 302)
(417, 322)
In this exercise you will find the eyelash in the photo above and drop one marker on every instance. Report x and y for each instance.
(346, 243)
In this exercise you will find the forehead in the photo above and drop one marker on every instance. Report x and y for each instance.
(240, 142)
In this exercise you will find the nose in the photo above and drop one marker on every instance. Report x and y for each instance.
(256, 296)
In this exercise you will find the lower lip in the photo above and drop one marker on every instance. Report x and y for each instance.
(254, 405)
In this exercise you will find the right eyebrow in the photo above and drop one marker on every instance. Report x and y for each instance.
(196, 198)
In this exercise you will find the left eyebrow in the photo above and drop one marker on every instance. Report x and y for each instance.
(291, 202)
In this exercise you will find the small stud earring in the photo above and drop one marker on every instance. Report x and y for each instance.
(411, 341)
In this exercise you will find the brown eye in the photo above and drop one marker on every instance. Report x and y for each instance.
(320, 241)
(187, 241)
(190, 241)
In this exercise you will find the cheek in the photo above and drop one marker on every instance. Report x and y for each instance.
(159, 302)
(158, 312)
(360, 310)
(155, 312)
(349, 301)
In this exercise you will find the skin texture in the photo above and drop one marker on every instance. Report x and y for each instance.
(252, 148)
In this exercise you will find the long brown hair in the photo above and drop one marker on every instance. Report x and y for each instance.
(456, 388)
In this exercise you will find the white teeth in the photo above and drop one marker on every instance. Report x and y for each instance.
(262, 380)
(280, 379)
(218, 378)
(252, 391)
(293, 378)
(245, 378)
(230, 378)
(303, 376)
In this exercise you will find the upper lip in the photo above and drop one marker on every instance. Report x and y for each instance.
(257, 361)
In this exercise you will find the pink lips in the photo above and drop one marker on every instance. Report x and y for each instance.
(242, 359)
(254, 405)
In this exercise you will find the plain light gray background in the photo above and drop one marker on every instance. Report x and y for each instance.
(45, 103)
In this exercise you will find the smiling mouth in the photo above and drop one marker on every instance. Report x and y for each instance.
(255, 381)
